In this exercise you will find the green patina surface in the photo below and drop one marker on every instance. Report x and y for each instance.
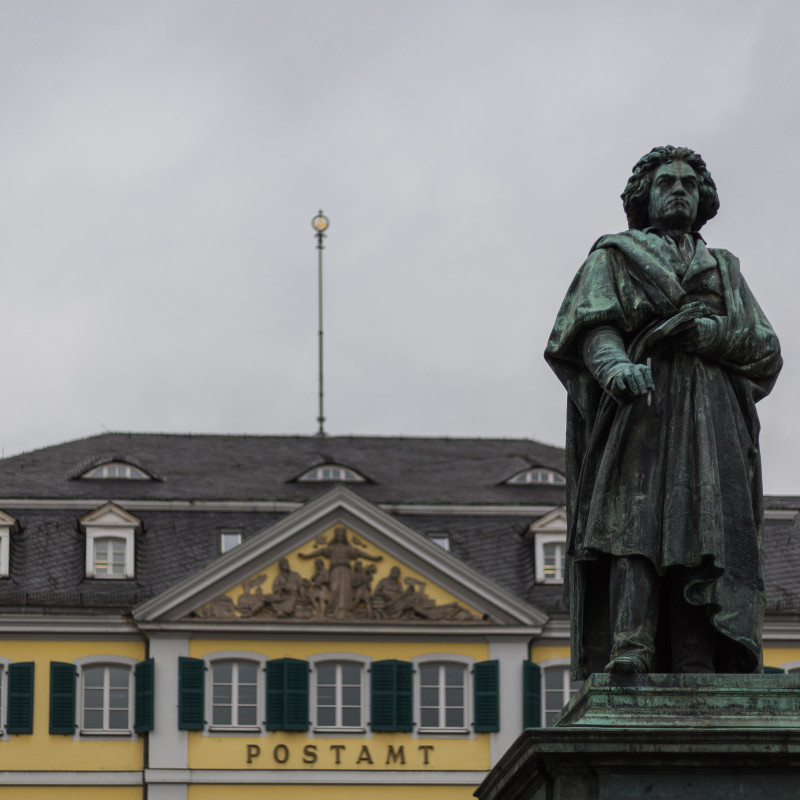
(686, 701)
(664, 353)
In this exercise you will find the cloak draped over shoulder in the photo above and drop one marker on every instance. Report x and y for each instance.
(675, 475)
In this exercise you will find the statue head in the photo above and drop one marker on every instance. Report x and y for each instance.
(636, 199)
(283, 565)
(340, 535)
(319, 563)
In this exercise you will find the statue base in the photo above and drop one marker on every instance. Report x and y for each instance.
(661, 737)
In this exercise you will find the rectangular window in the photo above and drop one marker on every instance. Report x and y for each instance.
(558, 689)
(109, 557)
(339, 695)
(553, 553)
(228, 540)
(442, 539)
(234, 694)
(106, 696)
(442, 696)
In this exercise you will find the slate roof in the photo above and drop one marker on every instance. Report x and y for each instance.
(47, 555)
(212, 467)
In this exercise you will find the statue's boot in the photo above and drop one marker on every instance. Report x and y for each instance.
(634, 591)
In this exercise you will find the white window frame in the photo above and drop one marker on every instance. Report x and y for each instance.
(567, 691)
(537, 476)
(4, 662)
(441, 659)
(134, 473)
(791, 667)
(342, 474)
(232, 532)
(128, 536)
(86, 662)
(351, 659)
(441, 539)
(5, 551)
(540, 540)
(7, 525)
(110, 521)
(236, 656)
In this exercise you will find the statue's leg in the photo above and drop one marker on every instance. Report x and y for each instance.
(634, 590)
(692, 637)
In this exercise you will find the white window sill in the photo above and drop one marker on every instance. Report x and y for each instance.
(332, 729)
(111, 577)
(551, 581)
(443, 731)
(235, 729)
(105, 733)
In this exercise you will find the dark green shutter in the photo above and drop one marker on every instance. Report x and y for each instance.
(531, 695)
(62, 697)
(191, 694)
(287, 694)
(20, 698)
(144, 676)
(774, 671)
(486, 690)
(391, 696)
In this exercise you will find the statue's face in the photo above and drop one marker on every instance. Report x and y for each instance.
(674, 196)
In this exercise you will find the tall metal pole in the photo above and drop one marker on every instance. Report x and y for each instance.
(320, 223)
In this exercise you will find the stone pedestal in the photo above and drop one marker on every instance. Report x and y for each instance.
(659, 737)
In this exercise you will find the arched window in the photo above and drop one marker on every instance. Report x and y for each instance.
(557, 689)
(234, 691)
(537, 475)
(339, 692)
(105, 694)
(442, 696)
(117, 469)
(332, 472)
(234, 694)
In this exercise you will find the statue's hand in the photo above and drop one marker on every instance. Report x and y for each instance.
(631, 381)
(703, 335)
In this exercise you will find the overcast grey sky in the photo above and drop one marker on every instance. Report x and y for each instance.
(161, 162)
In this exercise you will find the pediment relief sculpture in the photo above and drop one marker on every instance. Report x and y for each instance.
(340, 588)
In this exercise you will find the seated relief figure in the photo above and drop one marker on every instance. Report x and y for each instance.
(664, 352)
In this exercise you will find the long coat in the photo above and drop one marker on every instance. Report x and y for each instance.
(674, 476)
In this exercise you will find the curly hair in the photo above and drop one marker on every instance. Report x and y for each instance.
(636, 197)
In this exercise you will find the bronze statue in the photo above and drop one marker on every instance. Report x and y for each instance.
(664, 352)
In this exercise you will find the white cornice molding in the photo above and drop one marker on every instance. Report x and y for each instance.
(341, 504)
(287, 507)
(273, 506)
(556, 628)
(86, 778)
(22, 625)
(334, 630)
(326, 777)
(781, 630)
(781, 513)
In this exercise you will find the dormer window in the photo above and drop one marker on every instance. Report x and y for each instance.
(537, 475)
(110, 542)
(119, 470)
(332, 472)
(549, 535)
(7, 525)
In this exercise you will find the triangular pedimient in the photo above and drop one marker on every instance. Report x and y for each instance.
(337, 575)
